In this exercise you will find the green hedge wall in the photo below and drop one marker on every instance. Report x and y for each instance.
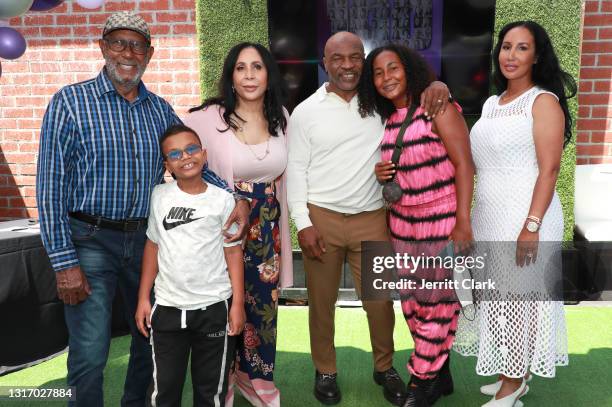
(561, 19)
(223, 23)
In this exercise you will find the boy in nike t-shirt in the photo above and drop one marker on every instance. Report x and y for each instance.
(199, 283)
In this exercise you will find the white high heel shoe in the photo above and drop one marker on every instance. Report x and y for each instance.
(493, 388)
(511, 400)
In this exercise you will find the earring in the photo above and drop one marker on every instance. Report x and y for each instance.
(233, 89)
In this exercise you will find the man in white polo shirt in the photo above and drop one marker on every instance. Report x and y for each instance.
(336, 204)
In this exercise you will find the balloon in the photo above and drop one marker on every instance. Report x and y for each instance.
(14, 8)
(12, 43)
(44, 5)
(91, 4)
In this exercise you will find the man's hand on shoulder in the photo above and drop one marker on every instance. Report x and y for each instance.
(434, 99)
(312, 243)
(72, 285)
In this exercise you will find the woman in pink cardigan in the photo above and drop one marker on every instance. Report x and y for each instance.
(243, 131)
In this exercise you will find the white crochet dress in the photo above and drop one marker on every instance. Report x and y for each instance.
(512, 337)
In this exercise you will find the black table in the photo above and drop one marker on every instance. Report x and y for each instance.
(32, 327)
(31, 315)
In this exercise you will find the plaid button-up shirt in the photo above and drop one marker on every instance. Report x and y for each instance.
(99, 154)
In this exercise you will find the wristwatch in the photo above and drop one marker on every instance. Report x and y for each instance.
(533, 223)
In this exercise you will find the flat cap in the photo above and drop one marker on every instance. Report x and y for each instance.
(127, 20)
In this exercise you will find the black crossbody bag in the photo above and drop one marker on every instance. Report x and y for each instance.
(392, 192)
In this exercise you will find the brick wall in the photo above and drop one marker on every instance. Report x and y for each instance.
(594, 137)
(63, 49)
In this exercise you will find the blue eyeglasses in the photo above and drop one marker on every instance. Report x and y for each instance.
(177, 154)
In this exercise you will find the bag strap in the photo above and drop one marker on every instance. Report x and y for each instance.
(397, 150)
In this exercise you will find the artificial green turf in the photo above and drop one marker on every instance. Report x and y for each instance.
(586, 382)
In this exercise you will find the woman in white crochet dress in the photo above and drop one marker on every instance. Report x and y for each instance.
(517, 145)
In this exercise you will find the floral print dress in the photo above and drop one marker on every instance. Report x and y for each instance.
(255, 179)
(261, 271)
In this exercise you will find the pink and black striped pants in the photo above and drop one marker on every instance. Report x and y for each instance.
(431, 315)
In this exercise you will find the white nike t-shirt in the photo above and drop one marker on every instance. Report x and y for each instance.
(187, 230)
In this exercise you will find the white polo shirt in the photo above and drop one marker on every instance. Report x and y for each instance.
(332, 154)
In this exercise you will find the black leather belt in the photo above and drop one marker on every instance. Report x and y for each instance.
(124, 225)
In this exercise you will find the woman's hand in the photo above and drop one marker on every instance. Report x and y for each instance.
(240, 216)
(527, 247)
(462, 237)
(384, 171)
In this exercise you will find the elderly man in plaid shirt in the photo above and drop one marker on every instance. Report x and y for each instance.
(99, 161)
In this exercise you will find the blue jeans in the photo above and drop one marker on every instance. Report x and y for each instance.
(109, 259)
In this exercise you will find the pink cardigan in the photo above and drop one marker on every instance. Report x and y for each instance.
(207, 123)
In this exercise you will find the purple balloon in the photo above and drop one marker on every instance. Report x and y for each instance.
(44, 5)
(90, 4)
(12, 43)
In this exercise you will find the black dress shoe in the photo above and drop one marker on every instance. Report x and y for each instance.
(442, 385)
(326, 388)
(415, 396)
(446, 378)
(393, 386)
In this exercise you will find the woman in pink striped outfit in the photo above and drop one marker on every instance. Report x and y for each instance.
(435, 172)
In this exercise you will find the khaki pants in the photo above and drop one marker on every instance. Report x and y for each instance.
(343, 235)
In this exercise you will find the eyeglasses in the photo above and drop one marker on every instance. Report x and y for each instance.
(177, 154)
(119, 45)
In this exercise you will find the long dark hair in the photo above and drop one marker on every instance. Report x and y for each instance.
(546, 73)
(274, 97)
(418, 77)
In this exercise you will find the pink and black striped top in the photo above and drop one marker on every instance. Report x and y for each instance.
(425, 171)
